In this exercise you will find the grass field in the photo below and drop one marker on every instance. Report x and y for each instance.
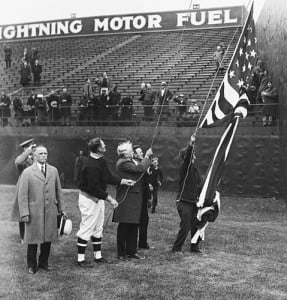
(245, 257)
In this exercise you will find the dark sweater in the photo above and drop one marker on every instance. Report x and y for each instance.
(189, 188)
(95, 177)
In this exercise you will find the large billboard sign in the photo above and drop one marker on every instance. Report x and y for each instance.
(132, 23)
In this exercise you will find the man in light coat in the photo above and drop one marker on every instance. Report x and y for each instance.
(39, 198)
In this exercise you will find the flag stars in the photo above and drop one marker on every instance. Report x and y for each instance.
(237, 63)
(249, 28)
(253, 53)
(240, 51)
(255, 40)
(249, 43)
(231, 74)
(249, 66)
(243, 68)
(240, 83)
(246, 55)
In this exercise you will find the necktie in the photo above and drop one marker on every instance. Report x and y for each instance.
(43, 170)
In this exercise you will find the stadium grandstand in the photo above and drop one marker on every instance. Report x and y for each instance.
(176, 48)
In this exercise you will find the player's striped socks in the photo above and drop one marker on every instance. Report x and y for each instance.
(97, 246)
(82, 245)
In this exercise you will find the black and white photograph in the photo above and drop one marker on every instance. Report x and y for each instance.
(143, 150)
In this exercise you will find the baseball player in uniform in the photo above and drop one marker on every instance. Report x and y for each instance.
(94, 178)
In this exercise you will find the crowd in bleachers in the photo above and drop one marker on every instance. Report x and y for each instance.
(103, 103)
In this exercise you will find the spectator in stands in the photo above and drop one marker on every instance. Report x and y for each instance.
(88, 88)
(180, 109)
(8, 56)
(83, 110)
(37, 70)
(264, 78)
(41, 110)
(126, 108)
(147, 98)
(5, 112)
(26, 56)
(53, 102)
(34, 57)
(102, 107)
(269, 97)
(218, 58)
(65, 108)
(18, 110)
(25, 74)
(164, 96)
(113, 103)
(193, 111)
(104, 83)
(31, 106)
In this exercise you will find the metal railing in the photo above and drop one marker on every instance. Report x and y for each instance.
(135, 115)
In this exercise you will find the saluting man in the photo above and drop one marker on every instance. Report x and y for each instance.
(39, 198)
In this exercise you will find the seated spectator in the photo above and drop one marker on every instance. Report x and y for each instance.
(147, 98)
(88, 88)
(126, 109)
(41, 110)
(31, 107)
(164, 96)
(37, 70)
(7, 56)
(53, 102)
(5, 112)
(270, 97)
(180, 109)
(65, 108)
(18, 110)
(113, 103)
(104, 83)
(218, 58)
(193, 108)
(25, 74)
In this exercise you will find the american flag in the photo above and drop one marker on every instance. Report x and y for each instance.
(237, 76)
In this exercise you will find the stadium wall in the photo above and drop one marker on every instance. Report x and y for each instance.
(272, 42)
(252, 169)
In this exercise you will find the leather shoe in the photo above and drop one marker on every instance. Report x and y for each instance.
(136, 256)
(101, 260)
(32, 270)
(46, 268)
(146, 246)
(195, 250)
(123, 258)
(84, 264)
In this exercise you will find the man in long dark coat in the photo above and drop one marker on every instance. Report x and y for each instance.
(128, 213)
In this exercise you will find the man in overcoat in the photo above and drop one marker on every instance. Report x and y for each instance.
(39, 199)
(128, 212)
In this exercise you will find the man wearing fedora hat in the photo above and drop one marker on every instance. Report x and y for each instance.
(22, 161)
(40, 199)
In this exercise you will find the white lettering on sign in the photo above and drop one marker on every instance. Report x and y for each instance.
(211, 17)
(127, 23)
(40, 29)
